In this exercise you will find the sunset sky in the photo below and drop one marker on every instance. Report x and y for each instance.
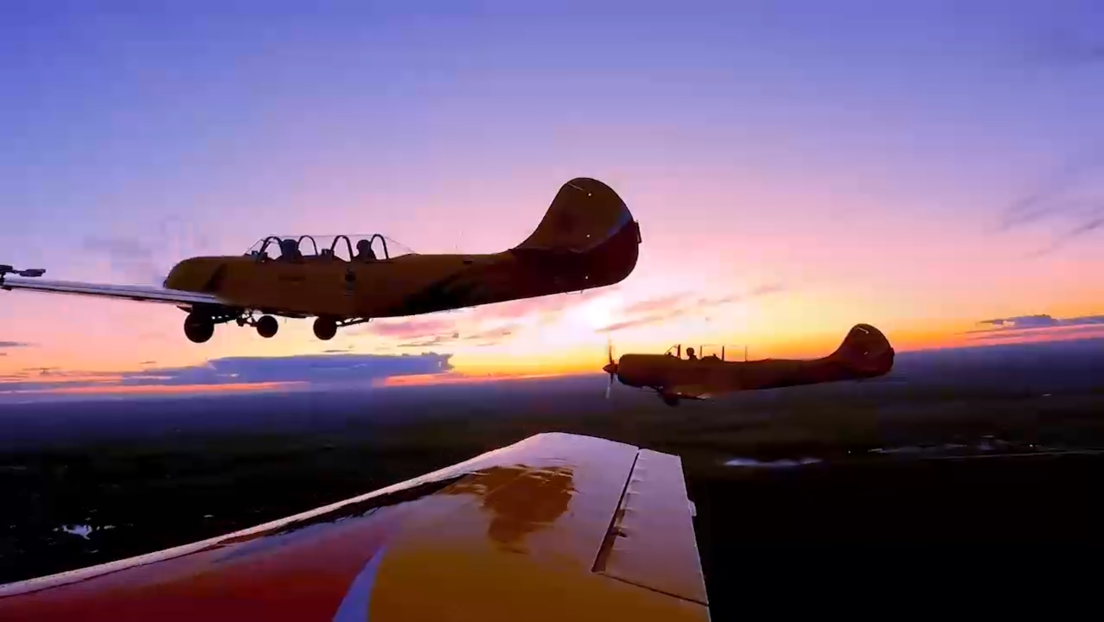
(796, 168)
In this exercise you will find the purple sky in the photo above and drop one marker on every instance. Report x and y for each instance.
(918, 165)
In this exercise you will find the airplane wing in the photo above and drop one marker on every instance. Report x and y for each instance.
(555, 527)
(138, 293)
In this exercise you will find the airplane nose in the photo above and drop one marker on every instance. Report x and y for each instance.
(611, 368)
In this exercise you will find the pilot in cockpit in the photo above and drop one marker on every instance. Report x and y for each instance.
(289, 249)
(364, 251)
(690, 356)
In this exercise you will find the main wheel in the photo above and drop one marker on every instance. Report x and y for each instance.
(198, 327)
(267, 326)
(325, 328)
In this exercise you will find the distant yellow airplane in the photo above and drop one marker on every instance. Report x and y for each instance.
(587, 239)
(864, 353)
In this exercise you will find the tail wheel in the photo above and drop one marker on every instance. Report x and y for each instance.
(267, 326)
(325, 328)
(198, 327)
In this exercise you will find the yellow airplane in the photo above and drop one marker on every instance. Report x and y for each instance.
(864, 353)
(556, 527)
(587, 239)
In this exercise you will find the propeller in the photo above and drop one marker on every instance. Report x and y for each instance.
(610, 368)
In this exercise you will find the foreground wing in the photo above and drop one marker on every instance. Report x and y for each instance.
(138, 293)
(556, 527)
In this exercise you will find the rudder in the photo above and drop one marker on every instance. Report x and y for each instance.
(866, 350)
(584, 214)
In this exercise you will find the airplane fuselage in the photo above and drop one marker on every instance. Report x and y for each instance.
(864, 353)
(586, 239)
(327, 286)
(658, 370)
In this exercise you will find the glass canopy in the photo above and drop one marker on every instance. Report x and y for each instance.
(356, 247)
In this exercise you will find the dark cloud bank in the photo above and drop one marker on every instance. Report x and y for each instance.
(1028, 325)
(319, 370)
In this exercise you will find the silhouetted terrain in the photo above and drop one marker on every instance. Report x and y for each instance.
(780, 478)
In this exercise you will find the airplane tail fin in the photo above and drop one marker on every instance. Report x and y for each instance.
(585, 214)
(866, 351)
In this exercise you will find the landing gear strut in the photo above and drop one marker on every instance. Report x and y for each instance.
(267, 326)
(198, 327)
(325, 328)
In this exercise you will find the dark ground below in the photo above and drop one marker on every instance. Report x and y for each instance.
(908, 491)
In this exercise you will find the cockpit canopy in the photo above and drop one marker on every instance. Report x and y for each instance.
(374, 247)
(707, 352)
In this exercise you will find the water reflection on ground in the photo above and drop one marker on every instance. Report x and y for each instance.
(986, 446)
(784, 463)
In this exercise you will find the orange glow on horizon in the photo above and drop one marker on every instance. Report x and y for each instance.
(460, 378)
(159, 389)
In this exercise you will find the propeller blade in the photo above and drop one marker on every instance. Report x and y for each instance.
(611, 367)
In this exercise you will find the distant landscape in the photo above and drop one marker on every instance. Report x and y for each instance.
(86, 482)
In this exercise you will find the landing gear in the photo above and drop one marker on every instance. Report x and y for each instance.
(267, 326)
(198, 327)
(325, 328)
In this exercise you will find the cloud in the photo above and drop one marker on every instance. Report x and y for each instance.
(1066, 192)
(1043, 321)
(1026, 325)
(408, 329)
(669, 306)
(14, 344)
(653, 318)
(1021, 321)
(1092, 223)
(1040, 334)
(655, 310)
(129, 257)
(659, 304)
(488, 337)
(309, 371)
(522, 308)
(493, 336)
(762, 290)
(429, 343)
(545, 308)
(494, 333)
(1049, 196)
(482, 324)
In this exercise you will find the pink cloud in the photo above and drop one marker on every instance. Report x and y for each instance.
(661, 308)
(409, 329)
(1038, 327)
